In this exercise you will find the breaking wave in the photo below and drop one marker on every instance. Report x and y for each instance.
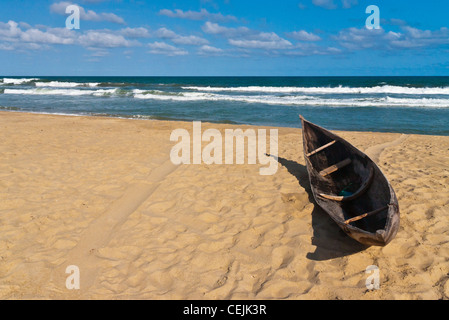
(304, 99)
(386, 89)
(58, 84)
(14, 81)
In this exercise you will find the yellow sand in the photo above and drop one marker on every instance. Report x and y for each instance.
(102, 194)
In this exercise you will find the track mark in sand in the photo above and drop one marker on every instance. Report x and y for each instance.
(100, 231)
(374, 152)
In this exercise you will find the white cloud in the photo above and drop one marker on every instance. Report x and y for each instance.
(303, 35)
(135, 32)
(311, 49)
(165, 33)
(51, 36)
(24, 25)
(327, 4)
(349, 3)
(210, 51)
(330, 4)
(22, 46)
(245, 38)
(7, 46)
(260, 44)
(14, 37)
(415, 38)
(190, 40)
(359, 39)
(98, 52)
(165, 49)
(203, 14)
(215, 28)
(11, 33)
(60, 7)
(103, 39)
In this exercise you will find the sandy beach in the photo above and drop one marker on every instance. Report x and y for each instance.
(102, 194)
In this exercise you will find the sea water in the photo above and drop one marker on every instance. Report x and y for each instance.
(387, 104)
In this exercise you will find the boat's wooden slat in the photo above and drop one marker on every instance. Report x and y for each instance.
(356, 194)
(362, 216)
(335, 167)
(321, 148)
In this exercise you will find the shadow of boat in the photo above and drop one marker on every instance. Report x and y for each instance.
(330, 241)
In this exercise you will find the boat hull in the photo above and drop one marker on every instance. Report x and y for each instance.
(377, 229)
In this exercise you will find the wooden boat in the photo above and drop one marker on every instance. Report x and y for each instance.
(350, 187)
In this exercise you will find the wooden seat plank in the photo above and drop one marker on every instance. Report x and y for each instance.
(356, 194)
(321, 148)
(362, 216)
(335, 167)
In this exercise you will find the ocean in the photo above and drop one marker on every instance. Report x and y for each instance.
(385, 104)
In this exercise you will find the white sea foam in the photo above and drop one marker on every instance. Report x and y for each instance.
(58, 84)
(104, 92)
(299, 100)
(140, 91)
(51, 84)
(44, 91)
(67, 92)
(175, 97)
(330, 90)
(18, 81)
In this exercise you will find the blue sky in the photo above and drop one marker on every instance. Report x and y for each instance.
(224, 37)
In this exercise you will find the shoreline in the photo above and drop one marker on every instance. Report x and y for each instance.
(205, 122)
(100, 193)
